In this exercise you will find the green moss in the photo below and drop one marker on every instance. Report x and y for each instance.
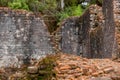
(46, 67)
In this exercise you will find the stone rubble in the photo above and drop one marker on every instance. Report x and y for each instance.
(66, 67)
(71, 67)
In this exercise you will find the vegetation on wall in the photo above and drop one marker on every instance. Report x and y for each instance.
(43, 4)
(51, 8)
(69, 11)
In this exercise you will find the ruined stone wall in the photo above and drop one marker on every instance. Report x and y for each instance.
(116, 10)
(96, 31)
(68, 36)
(91, 35)
(109, 29)
(23, 37)
(83, 35)
(73, 36)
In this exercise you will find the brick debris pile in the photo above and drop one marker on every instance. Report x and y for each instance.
(71, 67)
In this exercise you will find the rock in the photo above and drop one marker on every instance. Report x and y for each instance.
(66, 67)
(42, 72)
(32, 69)
(115, 77)
(42, 67)
(101, 78)
(35, 76)
(17, 75)
(108, 69)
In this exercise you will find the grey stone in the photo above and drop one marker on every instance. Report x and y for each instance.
(81, 35)
(23, 37)
(109, 29)
(91, 35)
(32, 69)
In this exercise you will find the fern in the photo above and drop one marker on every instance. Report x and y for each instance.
(18, 4)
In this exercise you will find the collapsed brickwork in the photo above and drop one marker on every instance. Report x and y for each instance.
(23, 37)
(76, 68)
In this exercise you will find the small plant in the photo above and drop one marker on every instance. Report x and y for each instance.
(18, 4)
(69, 11)
(46, 67)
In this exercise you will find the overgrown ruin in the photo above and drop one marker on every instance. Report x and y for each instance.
(91, 35)
(24, 36)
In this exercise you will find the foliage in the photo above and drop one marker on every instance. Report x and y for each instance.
(47, 71)
(4, 3)
(18, 4)
(71, 2)
(99, 2)
(77, 11)
(70, 11)
(34, 5)
(50, 7)
(51, 4)
(39, 6)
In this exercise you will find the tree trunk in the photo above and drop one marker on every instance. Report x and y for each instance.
(62, 4)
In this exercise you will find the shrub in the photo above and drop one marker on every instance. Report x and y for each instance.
(4, 3)
(69, 11)
(18, 4)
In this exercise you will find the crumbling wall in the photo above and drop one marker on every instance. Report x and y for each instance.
(96, 31)
(116, 11)
(91, 35)
(109, 28)
(83, 35)
(73, 36)
(23, 37)
(69, 35)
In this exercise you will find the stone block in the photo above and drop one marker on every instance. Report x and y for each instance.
(101, 78)
(32, 69)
